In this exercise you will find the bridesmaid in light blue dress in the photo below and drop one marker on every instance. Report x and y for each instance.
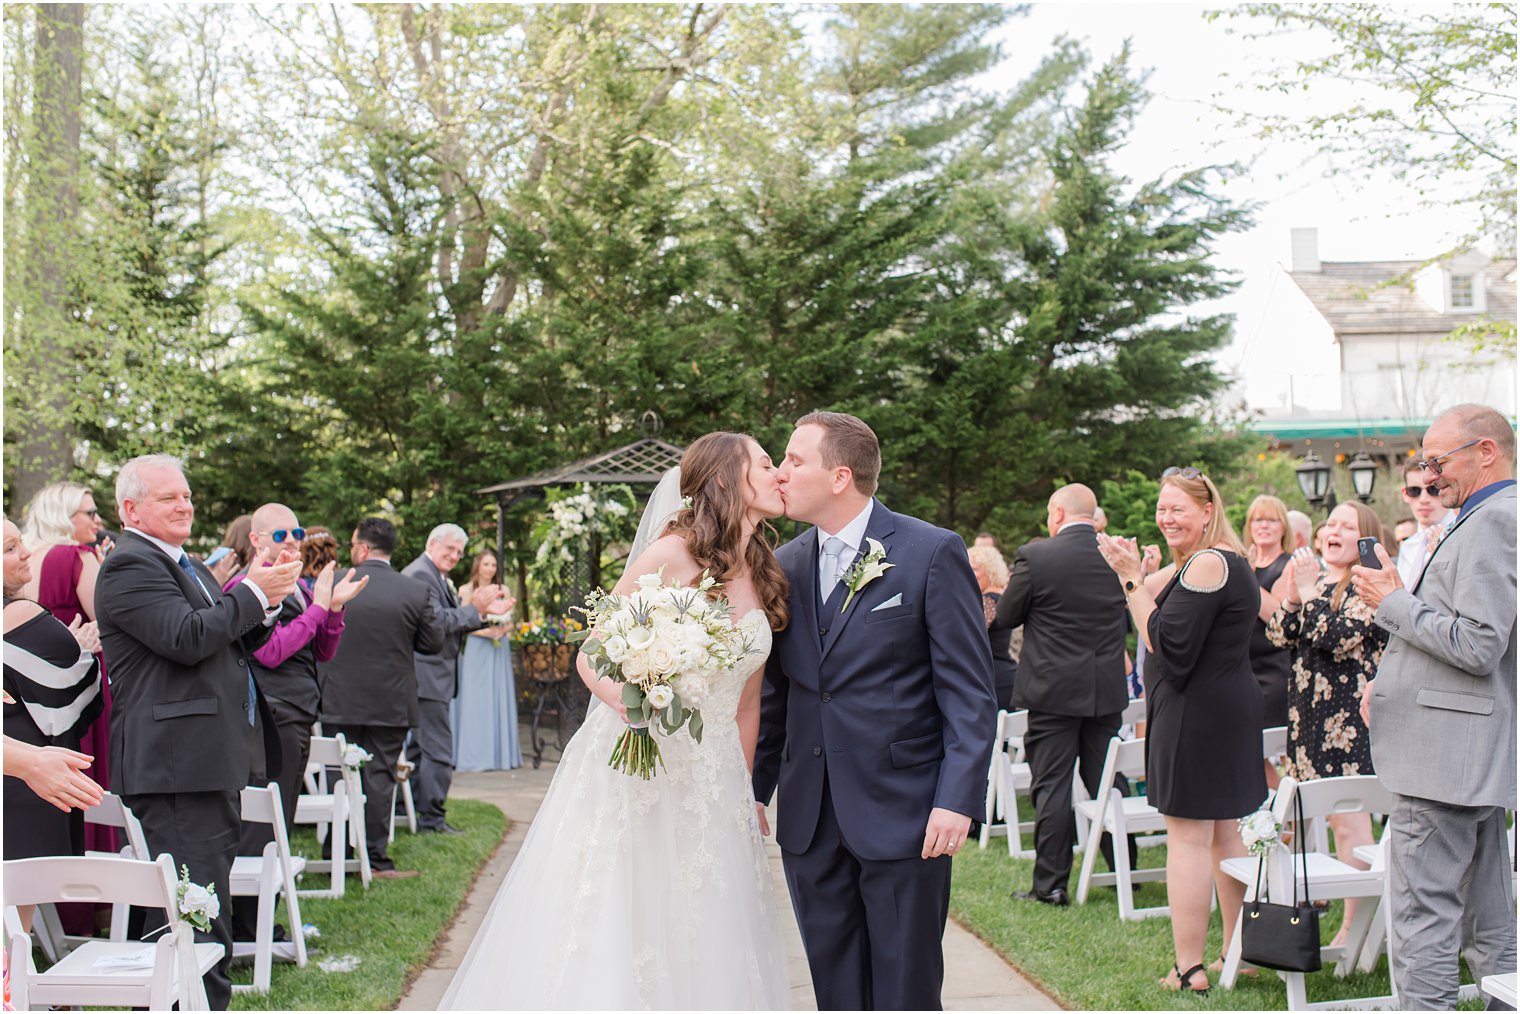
(485, 709)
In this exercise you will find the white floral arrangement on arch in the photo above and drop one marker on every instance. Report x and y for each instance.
(664, 643)
(572, 519)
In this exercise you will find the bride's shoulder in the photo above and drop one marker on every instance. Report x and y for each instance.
(669, 552)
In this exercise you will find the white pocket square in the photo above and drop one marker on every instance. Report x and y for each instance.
(895, 600)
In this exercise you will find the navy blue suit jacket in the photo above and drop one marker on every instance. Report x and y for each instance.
(896, 705)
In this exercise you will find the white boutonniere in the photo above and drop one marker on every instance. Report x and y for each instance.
(355, 757)
(865, 570)
(453, 588)
(196, 903)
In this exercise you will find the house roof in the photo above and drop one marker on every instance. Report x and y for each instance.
(643, 461)
(1378, 297)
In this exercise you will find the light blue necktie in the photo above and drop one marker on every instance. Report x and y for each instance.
(828, 567)
(184, 565)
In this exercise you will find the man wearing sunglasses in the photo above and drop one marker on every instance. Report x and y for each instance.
(1441, 715)
(1423, 496)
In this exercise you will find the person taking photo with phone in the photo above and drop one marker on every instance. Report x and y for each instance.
(1336, 650)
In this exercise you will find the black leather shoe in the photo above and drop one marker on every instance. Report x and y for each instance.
(1057, 897)
(444, 828)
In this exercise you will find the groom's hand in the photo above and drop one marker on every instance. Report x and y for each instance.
(945, 833)
(765, 825)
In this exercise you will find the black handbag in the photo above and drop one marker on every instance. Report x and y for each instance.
(1284, 937)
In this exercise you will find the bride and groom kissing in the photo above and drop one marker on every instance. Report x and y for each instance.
(866, 704)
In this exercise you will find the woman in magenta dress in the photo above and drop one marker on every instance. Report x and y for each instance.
(61, 525)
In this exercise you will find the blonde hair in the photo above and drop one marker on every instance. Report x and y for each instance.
(1269, 506)
(992, 564)
(1218, 530)
(50, 515)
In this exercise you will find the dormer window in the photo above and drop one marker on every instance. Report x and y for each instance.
(1461, 292)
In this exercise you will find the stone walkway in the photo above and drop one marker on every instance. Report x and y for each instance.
(975, 977)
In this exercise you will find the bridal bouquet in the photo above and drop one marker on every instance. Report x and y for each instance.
(664, 644)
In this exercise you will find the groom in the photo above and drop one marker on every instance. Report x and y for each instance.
(877, 720)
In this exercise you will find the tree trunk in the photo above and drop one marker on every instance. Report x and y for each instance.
(45, 444)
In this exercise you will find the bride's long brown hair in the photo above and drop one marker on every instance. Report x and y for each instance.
(714, 472)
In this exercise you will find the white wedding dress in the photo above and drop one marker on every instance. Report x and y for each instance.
(632, 894)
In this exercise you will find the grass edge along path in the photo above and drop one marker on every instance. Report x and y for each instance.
(393, 929)
(1085, 958)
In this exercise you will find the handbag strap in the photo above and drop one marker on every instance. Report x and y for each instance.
(1300, 850)
(1301, 843)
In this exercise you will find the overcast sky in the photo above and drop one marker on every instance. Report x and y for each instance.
(1196, 66)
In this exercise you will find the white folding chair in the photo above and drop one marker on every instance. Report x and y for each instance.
(1501, 988)
(1007, 777)
(266, 877)
(1120, 816)
(342, 810)
(174, 965)
(1328, 878)
(404, 769)
(109, 812)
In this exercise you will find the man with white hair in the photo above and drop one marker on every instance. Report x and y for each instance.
(438, 674)
(1303, 529)
(185, 703)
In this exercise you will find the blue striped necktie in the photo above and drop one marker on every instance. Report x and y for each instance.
(184, 565)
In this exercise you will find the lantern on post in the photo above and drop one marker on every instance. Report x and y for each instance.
(1363, 475)
(1313, 478)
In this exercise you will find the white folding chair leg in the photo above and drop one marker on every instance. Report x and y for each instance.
(1090, 848)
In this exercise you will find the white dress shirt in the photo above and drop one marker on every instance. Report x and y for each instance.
(1414, 552)
(1074, 524)
(853, 535)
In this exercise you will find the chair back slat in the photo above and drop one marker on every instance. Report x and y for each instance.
(1274, 742)
(1323, 797)
(328, 750)
(89, 879)
(112, 812)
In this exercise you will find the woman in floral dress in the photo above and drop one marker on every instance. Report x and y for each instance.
(1336, 649)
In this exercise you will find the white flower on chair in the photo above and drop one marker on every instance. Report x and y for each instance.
(355, 757)
(1261, 832)
(196, 903)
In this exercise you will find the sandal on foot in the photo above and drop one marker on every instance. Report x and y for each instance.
(1184, 978)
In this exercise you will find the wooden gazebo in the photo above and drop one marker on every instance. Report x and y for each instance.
(641, 463)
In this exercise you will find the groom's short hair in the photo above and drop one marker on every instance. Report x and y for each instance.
(849, 443)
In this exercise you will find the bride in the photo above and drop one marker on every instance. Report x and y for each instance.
(633, 894)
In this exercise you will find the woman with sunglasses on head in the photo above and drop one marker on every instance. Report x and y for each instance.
(1203, 714)
(61, 525)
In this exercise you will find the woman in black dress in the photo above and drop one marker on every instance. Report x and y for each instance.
(1203, 712)
(52, 693)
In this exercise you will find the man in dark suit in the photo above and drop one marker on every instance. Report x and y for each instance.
(438, 672)
(369, 689)
(877, 722)
(185, 703)
(1071, 674)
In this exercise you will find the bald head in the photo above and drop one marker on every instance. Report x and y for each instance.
(1479, 422)
(272, 517)
(1076, 500)
(1068, 504)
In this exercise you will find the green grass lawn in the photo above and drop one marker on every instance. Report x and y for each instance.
(391, 928)
(1087, 959)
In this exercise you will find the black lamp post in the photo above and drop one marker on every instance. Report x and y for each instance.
(1363, 475)
(1313, 478)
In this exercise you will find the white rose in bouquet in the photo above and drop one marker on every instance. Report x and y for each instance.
(662, 662)
(661, 696)
(1260, 832)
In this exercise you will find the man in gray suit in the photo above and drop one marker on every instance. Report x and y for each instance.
(1442, 718)
(438, 671)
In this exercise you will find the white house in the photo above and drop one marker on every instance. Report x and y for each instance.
(1360, 354)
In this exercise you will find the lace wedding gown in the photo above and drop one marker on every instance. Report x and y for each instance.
(633, 894)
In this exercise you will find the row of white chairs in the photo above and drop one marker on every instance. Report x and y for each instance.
(126, 880)
(1123, 816)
